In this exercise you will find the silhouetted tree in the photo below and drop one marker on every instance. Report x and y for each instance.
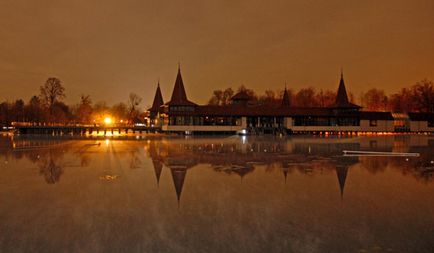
(100, 110)
(52, 91)
(35, 111)
(325, 98)
(375, 100)
(5, 114)
(221, 97)
(120, 111)
(18, 111)
(217, 97)
(60, 113)
(84, 111)
(251, 93)
(403, 101)
(424, 95)
(305, 97)
(227, 95)
(133, 103)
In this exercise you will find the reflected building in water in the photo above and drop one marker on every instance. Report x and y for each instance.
(307, 156)
(239, 156)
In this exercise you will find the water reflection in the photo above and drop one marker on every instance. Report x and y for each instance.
(216, 194)
(49, 168)
(231, 156)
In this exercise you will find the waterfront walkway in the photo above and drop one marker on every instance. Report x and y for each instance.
(83, 130)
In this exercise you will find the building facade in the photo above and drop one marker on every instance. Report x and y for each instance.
(180, 115)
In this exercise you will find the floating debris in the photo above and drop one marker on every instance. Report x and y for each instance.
(109, 177)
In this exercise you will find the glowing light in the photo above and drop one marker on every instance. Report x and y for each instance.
(107, 142)
(244, 138)
(107, 120)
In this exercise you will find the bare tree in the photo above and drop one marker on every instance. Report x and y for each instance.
(306, 97)
(120, 111)
(84, 111)
(375, 100)
(251, 93)
(52, 91)
(424, 95)
(216, 98)
(326, 98)
(221, 97)
(227, 95)
(133, 103)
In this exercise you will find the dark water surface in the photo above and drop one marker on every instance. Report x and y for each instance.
(223, 194)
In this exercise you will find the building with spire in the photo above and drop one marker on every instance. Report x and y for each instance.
(156, 109)
(342, 102)
(245, 117)
(285, 99)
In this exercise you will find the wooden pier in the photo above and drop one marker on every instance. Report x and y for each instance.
(85, 130)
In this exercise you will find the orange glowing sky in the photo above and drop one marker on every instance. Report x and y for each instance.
(109, 48)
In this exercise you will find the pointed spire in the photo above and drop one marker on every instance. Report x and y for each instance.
(285, 99)
(158, 99)
(179, 90)
(179, 96)
(342, 97)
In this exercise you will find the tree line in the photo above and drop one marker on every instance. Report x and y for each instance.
(417, 98)
(48, 108)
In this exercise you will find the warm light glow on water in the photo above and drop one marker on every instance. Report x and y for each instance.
(223, 194)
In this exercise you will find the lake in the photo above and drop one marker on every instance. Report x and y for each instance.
(216, 194)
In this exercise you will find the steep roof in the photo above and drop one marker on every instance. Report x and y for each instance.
(179, 97)
(342, 97)
(285, 99)
(158, 100)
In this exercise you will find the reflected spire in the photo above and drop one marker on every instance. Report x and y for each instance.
(156, 161)
(341, 172)
(158, 168)
(285, 173)
(178, 176)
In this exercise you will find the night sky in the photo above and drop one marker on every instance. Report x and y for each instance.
(109, 48)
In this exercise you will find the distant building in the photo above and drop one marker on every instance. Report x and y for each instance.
(241, 116)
